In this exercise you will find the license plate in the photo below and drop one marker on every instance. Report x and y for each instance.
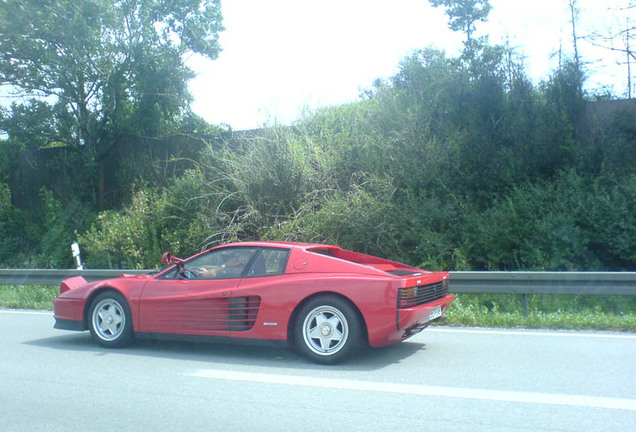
(435, 313)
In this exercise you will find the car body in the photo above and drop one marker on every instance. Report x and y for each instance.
(327, 301)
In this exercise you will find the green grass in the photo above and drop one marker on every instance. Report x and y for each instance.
(545, 311)
(487, 310)
(28, 297)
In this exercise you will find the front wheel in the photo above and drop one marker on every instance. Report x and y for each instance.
(327, 330)
(110, 320)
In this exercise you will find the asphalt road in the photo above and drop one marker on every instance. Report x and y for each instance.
(443, 379)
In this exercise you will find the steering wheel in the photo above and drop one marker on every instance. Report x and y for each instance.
(188, 274)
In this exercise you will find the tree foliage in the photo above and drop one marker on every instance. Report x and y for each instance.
(101, 69)
(463, 15)
(438, 167)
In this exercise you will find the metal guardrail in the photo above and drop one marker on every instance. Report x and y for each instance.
(527, 283)
(581, 283)
(55, 277)
(578, 283)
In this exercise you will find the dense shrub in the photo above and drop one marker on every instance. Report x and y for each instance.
(454, 163)
(572, 223)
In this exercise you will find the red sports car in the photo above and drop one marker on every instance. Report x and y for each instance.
(326, 301)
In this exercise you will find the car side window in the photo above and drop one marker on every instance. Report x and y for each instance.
(224, 263)
(269, 262)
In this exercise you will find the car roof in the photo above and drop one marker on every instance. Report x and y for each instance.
(298, 245)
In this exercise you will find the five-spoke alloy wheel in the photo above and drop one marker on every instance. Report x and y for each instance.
(327, 330)
(110, 321)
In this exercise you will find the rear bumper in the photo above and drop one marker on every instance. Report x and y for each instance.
(409, 318)
(410, 321)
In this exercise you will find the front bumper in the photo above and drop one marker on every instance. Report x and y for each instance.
(64, 324)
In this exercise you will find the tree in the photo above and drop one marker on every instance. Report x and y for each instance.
(464, 14)
(618, 38)
(30, 125)
(574, 15)
(109, 68)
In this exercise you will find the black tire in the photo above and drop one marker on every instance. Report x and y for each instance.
(327, 330)
(110, 320)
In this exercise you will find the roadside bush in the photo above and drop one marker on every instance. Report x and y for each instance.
(125, 239)
(155, 221)
(358, 218)
(574, 223)
(450, 164)
(40, 238)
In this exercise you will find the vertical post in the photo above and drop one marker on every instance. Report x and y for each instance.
(76, 256)
(525, 305)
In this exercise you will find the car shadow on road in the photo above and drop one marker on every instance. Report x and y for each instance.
(240, 354)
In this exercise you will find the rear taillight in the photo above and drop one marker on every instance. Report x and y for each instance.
(407, 297)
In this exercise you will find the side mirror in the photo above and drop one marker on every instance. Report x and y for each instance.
(168, 258)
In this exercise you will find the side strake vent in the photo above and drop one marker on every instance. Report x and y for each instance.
(419, 295)
(211, 315)
(243, 312)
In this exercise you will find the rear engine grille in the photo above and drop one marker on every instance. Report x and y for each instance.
(419, 295)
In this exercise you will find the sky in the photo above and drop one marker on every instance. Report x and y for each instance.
(282, 59)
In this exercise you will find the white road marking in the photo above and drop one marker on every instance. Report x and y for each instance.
(25, 312)
(542, 333)
(422, 390)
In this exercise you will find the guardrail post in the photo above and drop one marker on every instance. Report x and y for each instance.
(525, 305)
(76, 256)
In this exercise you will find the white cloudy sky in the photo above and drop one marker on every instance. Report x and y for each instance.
(281, 57)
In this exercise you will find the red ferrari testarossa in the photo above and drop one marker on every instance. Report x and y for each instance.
(326, 301)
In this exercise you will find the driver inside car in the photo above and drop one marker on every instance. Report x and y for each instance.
(233, 267)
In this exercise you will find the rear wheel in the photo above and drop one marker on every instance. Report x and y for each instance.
(327, 330)
(110, 320)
